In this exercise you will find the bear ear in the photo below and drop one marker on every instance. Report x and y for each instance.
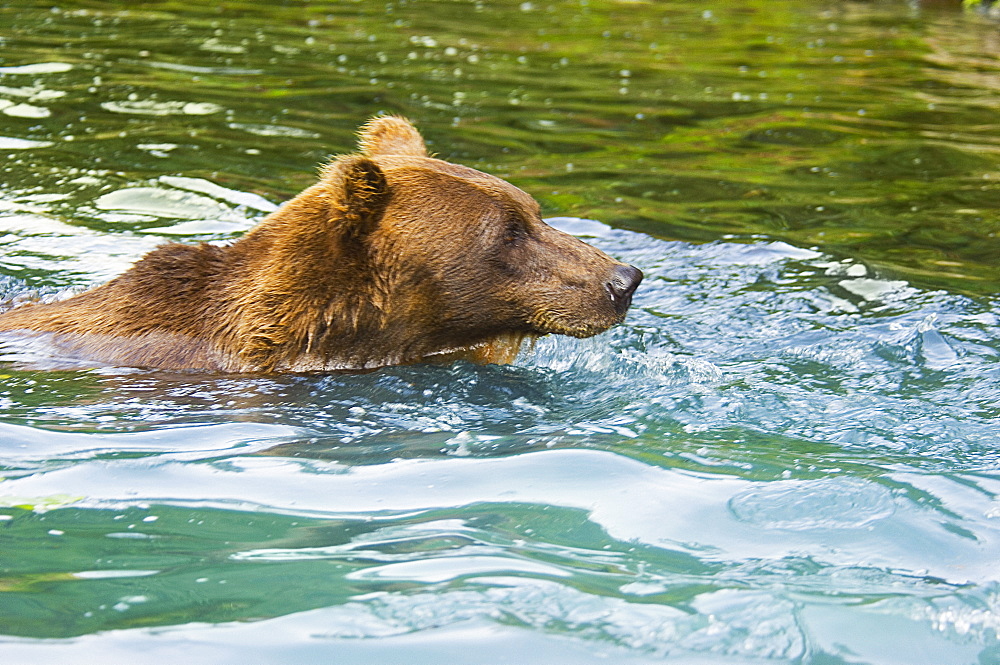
(366, 194)
(390, 135)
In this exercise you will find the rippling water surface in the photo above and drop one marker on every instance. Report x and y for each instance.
(790, 453)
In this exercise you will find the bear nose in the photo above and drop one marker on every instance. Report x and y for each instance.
(622, 285)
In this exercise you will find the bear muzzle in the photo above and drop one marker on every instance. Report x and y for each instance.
(624, 281)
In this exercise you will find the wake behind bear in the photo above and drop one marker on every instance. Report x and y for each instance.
(392, 257)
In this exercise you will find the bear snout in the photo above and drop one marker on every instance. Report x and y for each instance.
(623, 283)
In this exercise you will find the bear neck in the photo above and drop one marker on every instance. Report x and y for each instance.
(306, 297)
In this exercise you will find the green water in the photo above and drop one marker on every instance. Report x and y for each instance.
(788, 454)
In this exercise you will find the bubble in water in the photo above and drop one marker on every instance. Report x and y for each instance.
(799, 505)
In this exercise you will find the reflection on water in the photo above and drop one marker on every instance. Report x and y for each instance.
(787, 454)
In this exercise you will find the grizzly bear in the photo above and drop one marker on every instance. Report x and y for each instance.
(392, 257)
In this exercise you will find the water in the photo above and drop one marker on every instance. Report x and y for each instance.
(788, 454)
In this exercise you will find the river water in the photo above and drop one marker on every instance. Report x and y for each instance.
(790, 452)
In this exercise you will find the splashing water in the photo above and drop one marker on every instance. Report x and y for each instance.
(742, 466)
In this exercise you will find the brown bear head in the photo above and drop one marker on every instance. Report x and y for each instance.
(420, 259)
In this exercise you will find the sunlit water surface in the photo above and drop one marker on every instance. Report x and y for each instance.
(788, 454)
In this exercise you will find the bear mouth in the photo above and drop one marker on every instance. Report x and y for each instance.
(547, 323)
(501, 349)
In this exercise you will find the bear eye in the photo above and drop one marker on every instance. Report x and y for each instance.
(514, 231)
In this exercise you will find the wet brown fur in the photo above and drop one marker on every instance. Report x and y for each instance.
(391, 257)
